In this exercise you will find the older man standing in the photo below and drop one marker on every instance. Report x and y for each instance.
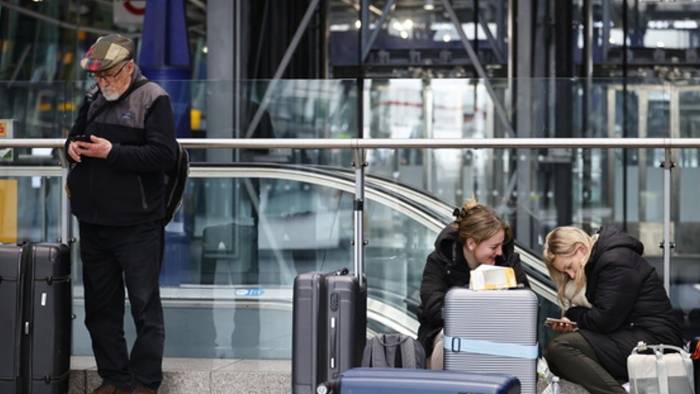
(119, 147)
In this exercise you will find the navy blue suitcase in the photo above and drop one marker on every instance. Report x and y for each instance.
(415, 381)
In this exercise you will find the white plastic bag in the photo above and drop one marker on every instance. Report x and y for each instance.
(659, 373)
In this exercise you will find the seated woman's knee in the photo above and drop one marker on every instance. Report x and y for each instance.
(558, 350)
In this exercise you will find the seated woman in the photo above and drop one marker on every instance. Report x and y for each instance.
(477, 236)
(624, 303)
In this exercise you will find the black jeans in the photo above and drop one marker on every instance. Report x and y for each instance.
(571, 357)
(112, 257)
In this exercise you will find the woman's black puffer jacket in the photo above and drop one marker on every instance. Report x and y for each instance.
(629, 302)
(446, 268)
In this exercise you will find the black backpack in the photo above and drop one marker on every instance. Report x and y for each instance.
(393, 351)
(175, 182)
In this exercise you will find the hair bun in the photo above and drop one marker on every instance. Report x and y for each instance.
(470, 204)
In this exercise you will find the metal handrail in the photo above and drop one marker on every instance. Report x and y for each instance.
(360, 145)
(389, 143)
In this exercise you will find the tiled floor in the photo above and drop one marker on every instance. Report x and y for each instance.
(219, 376)
(200, 376)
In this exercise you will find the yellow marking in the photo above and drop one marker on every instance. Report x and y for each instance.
(8, 210)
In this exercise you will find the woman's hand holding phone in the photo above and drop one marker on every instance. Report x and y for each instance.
(562, 325)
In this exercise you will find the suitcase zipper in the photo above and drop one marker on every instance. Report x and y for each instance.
(144, 204)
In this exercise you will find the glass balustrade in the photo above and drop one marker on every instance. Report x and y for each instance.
(253, 219)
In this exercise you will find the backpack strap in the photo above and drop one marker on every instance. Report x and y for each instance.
(408, 353)
(367, 354)
(378, 353)
(391, 346)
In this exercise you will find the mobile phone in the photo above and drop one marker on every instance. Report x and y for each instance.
(81, 137)
(550, 321)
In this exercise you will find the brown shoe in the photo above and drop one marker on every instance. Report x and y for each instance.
(110, 389)
(144, 390)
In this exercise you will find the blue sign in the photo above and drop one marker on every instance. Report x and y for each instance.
(254, 292)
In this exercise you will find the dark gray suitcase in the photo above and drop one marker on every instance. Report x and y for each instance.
(419, 381)
(329, 327)
(37, 322)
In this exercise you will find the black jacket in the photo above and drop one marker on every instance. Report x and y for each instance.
(127, 187)
(629, 302)
(446, 268)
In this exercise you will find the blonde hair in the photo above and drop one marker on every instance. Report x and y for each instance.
(478, 222)
(563, 241)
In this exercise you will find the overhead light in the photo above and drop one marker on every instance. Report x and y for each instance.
(428, 6)
(358, 24)
(685, 24)
(408, 24)
(205, 49)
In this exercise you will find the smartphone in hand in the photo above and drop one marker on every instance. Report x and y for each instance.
(552, 322)
(81, 137)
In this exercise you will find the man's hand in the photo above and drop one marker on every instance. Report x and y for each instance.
(73, 151)
(98, 148)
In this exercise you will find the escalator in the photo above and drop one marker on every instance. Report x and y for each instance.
(251, 229)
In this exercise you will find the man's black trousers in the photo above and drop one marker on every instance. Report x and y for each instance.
(114, 256)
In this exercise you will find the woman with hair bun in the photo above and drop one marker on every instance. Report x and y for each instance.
(477, 236)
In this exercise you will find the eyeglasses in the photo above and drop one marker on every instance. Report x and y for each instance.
(110, 77)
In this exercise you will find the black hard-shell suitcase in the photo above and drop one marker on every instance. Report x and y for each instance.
(35, 318)
(11, 269)
(415, 381)
(329, 327)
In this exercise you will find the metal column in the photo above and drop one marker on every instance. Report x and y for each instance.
(564, 70)
(524, 119)
(587, 104)
(221, 67)
(625, 132)
(667, 244)
(360, 81)
(428, 154)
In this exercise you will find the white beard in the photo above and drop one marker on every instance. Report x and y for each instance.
(110, 95)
